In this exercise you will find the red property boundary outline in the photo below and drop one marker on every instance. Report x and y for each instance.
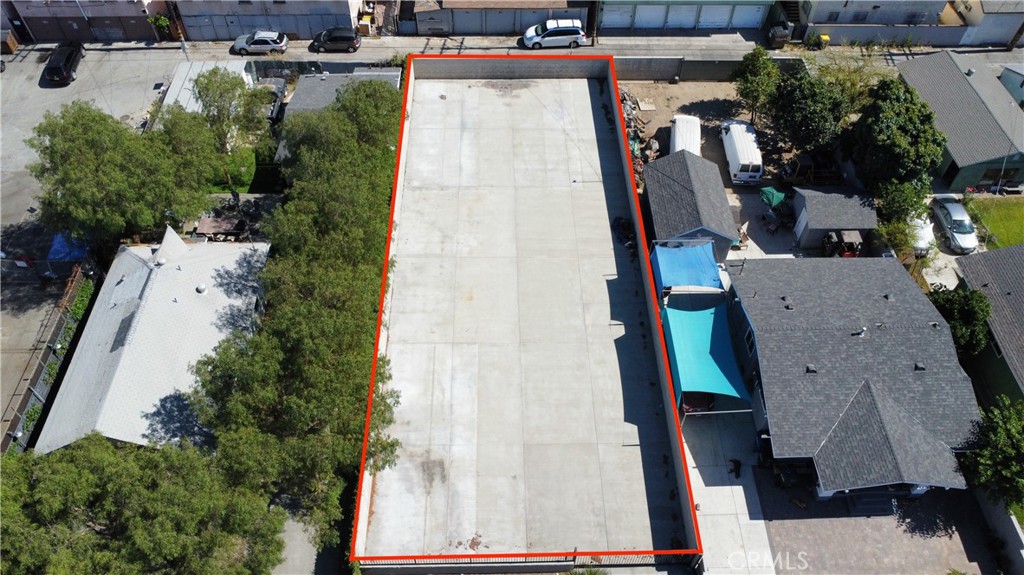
(663, 356)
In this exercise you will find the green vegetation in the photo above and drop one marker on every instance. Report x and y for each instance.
(288, 403)
(1002, 217)
(996, 464)
(93, 507)
(31, 417)
(233, 111)
(808, 111)
(853, 77)
(757, 78)
(1018, 511)
(967, 312)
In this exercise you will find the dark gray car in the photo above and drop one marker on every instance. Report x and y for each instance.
(336, 40)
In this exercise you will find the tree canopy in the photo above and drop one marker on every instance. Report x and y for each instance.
(757, 78)
(232, 109)
(808, 111)
(966, 311)
(101, 180)
(294, 394)
(996, 463)
(899, 202)
(93, 507)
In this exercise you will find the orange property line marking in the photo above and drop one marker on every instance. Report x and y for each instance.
(410, 60)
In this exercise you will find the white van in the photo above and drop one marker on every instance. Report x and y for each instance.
(740, 141)
(685, 134)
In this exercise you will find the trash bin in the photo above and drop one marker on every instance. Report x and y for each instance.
(825, 39)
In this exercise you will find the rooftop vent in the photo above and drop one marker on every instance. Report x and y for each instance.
(919, 366)
(201, 288)
(811, 368)
(934, 324)
(888, 297)
(970, 71)
(860, 333)
(789, 307)
(160, 262)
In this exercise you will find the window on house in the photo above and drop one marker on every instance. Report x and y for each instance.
(860, 16)
(749, 338)
(995, 345)
(833, 16)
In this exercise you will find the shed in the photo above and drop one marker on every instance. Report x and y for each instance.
(687, 200)
(830, 209)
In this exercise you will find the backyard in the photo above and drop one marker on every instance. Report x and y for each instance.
(1002, 217)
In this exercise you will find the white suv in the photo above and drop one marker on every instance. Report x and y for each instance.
(555, 33)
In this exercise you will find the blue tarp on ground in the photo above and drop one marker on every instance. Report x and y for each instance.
(700, 352)
(66, 250)
(690, 265)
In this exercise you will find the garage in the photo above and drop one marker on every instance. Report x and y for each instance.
(748, 17)
(613, 16)
(650, 16)
(714, 17)
(682, 16)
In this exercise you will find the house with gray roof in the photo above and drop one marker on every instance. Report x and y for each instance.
(853, 373)
(825, 209)
(160, 310)
(983, 125)
(999, 274)
(686, 199)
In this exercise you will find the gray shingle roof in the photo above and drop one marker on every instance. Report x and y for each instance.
(974, 112)
(316, 92)
(906, 353)
(999, 274)
(686, 193)
(836, 208)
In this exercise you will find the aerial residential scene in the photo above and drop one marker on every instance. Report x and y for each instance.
(430, 287)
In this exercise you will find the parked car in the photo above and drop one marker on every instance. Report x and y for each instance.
(62, 67)
(956, 225)
(555, 33)
(339, 39)
(260, 42)
(922, 237)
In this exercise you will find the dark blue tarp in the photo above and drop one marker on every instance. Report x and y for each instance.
(66, 250)
(689, 265)
(700, 352)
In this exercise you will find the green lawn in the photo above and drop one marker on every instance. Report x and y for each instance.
(1003, 216)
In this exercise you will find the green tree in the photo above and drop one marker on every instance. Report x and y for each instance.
(814, 112)
(851, 76)
(93, 507)
(901, 201)
(197, 159)
(996, 464)
(895, 139)
(966, 311)
(757, 78)
(233, 110)
(101, 180)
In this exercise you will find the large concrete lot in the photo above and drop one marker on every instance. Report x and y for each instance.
(530, 416)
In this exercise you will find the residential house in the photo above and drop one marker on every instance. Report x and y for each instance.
(160, 310)
(991, 22)
(1012, 78)
(827, 209)
(930, 22)
(999, 274)
(643, 15)
(852, 372)
(983, 125)
(686, 201)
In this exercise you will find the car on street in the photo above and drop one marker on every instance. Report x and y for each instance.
(338, 39)
(260, 42)
(62, 67)
(555, 34)
(956, 225)
(922, 238)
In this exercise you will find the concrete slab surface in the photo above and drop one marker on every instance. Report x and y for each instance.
(530, 417)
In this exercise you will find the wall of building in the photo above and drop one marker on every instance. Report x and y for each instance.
(877, 12)
(87, 8)
(889, 34)
(211, 20)
(88, 20)
(972, 176)
(1014, 84)
(683, 15)
(685, 70)
(490, 21)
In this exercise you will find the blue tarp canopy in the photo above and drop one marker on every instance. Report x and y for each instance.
(689, 265)
(66, 250)
(700, 351)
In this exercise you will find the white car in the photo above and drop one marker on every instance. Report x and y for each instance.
(555, 33)
(261, 42)
(923, 240)
(956, 226)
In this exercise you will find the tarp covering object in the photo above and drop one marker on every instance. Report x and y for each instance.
(66, 250)
(700, 352)
(772, 197)
(690, 265)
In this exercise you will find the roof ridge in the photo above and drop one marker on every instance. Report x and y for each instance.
(1009, 137)
(842, 414)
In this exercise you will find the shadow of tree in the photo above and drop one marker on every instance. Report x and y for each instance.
(240, 283)
(712, 111)
(23, 289)
(922, 519)
(174, 420)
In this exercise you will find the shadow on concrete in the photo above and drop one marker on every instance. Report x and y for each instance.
(174, 420)
(713, 111)
(641, 396)
(24, 289)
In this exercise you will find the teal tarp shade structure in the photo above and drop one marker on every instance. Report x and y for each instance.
(700, 352)
(772, 197)
(691, 265)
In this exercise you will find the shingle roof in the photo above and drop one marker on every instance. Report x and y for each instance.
(686, 193)
(974, 112)
(317, 91)
(148, 325)
(906, 353)
(836, 208)
(999, 274)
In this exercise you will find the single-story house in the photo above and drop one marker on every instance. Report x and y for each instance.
(181, 90)
(984, 126)
(160, 309)
(687, 201)
(999, 274)
(317, 91)
(829, 209)
(853, 372)
(1012, 78)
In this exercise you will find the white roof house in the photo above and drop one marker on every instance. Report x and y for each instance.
(160, 309)
(182, 87)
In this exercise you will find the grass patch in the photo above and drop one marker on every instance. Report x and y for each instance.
(239, 166)
(1002, 216)
(1018, 512)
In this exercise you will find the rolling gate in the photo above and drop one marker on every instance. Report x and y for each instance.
(95, 29)
(683, 16)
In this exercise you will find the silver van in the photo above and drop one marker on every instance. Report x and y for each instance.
(555, 33)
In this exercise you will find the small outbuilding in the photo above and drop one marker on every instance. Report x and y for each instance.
(687, 201)
(830, 209)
